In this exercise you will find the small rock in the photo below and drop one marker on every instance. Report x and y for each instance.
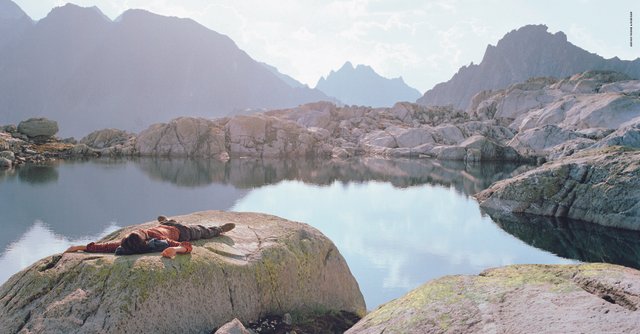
(233, 327)
(29, 151)
(8, 155)
(5, 163)
(19, 136)
(10, 128)
(286, 318)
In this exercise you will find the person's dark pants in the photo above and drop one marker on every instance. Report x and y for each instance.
(194, 232)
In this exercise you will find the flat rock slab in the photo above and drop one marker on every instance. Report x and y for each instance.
(588, 298)
(266, 265)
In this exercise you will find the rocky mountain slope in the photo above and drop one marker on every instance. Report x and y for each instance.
(362, 86)
(13, 22)
(87, 72)
(521, 54)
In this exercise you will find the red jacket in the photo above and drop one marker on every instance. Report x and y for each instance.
(161, 232)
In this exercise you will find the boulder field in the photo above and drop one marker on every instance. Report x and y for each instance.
(266, 265)
(587, 298)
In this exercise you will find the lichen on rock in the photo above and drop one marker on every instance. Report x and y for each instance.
(593, 298)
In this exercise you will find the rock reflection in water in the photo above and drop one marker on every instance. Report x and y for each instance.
(253, 173)
(573, 239)
(38, 174)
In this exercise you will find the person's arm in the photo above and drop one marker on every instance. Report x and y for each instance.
(103, 247)
(177, 248)
(75, 248)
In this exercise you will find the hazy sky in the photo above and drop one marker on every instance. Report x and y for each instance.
(425, 42)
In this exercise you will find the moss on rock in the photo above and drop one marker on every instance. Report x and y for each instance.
(517, 299)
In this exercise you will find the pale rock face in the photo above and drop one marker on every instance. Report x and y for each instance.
(538, 141)
(628, 135)
(267, 136)
(414, 137)
(185, 136)
(233, 327)
(266, 265)
(381, 139)
(106, 138)
(448, 134)
(517, 102)
(247, 134)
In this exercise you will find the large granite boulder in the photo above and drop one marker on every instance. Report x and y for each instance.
(266, 265)
(598, 186)
(183, 137)
(38, 128)
(588, 298)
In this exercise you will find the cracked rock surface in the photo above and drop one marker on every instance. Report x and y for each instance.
(266, 265)
(588, 298)
(599, 186)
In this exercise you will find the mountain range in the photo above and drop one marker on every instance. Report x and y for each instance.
(361, 85)
(88, 72)
(530, 51)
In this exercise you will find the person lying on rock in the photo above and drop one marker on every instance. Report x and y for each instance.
(170, 237)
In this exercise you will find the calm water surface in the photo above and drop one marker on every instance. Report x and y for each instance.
(398, 223)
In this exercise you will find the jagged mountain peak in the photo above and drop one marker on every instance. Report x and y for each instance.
(361, 85)
(530, 51)
(87, 72)
(74, 12)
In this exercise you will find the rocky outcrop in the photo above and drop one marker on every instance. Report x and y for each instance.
(107, 138)
(265, 136)
(597, 186)
(38, 128)
(185, 137)
(553, 118)
(266, 265)
(588, 298)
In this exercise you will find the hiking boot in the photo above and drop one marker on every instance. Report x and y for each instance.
(227, 227)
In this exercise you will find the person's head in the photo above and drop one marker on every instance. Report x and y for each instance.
(136, 242)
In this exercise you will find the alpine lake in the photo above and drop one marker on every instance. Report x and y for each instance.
(398, 223)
